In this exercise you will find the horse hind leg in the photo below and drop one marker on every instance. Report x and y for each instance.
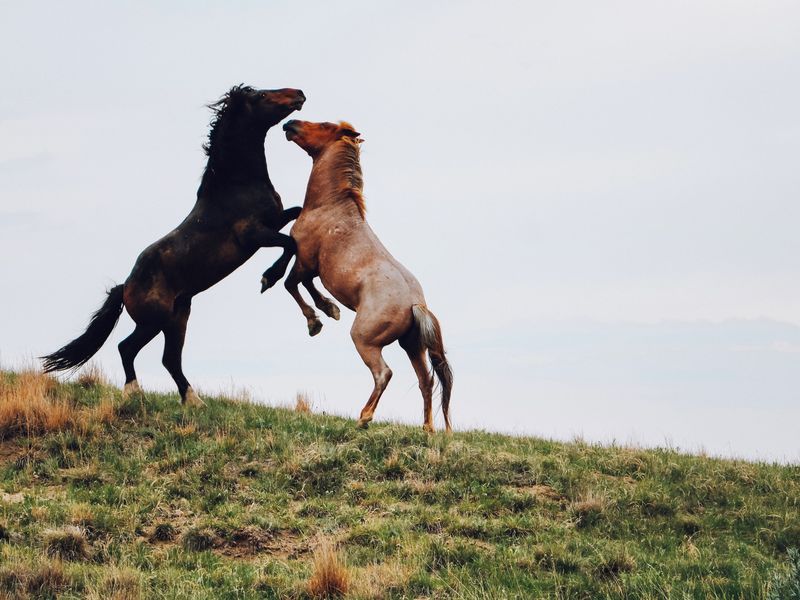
(418, 358)
(381, 374)
(174, 336)
(322, 302)
(129, 348)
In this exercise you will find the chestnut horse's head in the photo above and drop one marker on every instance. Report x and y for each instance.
(316, 137)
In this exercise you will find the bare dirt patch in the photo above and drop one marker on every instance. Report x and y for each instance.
(543, 492)
(251, 542)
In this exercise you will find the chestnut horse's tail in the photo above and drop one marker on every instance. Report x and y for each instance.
(430, 335)
(82, 348)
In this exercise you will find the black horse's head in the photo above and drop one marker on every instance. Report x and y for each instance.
(244, 108)
(273, 106)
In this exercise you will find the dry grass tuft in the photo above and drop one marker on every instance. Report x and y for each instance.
(302, 404)
(82, 515)
(330, 577)
(377, 580)
(39, 513)
(47, 580)
(68, 543)
(121, 584)
(616, 563)
(92, 376)
(163, 532)
(187, 429)
(104, 413)
(30, 405)
(589, 510)
(393, 467)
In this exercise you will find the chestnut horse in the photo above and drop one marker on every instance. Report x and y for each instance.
(335, 243)
(237, 212)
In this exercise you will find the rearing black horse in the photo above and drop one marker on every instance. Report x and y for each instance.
(237, 212)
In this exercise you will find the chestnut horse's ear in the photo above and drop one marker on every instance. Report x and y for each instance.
(349, 132)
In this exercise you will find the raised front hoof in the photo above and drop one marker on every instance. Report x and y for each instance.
(291, 214)
(191, 399)
(131, 388)
(363, 423)
(267, 282)
(314, 327)
(332, 311)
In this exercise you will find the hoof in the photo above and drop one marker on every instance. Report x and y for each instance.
(132, 387)
(428, 428)
(266, 284)
(314, 327)
(192, 399)
(333, 312)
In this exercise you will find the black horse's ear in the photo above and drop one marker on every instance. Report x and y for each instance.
(238, 95)
(350, 132)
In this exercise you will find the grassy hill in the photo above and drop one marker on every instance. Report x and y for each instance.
(104, 497)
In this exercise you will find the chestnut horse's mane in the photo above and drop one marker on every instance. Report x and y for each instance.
(347, 164)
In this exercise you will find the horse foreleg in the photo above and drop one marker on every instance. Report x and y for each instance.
(268, 238)
(294, 278)
(290, 214)
(322, 302)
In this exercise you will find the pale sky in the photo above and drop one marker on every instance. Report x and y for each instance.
(599, 199)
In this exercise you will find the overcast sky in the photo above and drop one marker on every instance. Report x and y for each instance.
(599, 199)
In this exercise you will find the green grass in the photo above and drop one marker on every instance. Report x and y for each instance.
(231, 501)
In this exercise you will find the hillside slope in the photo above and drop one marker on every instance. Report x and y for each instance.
(104, 497)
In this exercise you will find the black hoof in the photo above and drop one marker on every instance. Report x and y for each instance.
(314, 327)
(266, 283)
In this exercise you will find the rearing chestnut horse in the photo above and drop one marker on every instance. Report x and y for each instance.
(237, 212)
(335, 242)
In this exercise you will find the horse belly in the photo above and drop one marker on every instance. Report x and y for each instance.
(217, 263)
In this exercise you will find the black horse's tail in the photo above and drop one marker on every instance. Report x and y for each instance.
(84, 347)
(431, 338)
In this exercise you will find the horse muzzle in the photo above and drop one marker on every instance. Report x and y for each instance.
(290, 127)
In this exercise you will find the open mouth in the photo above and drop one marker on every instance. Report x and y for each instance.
(289, 128)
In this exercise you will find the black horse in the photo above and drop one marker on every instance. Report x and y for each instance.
(237, 212)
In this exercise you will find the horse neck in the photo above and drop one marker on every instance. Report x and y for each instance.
(327, 186)
(238, 157)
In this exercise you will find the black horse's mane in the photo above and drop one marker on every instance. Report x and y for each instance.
(220, 108)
